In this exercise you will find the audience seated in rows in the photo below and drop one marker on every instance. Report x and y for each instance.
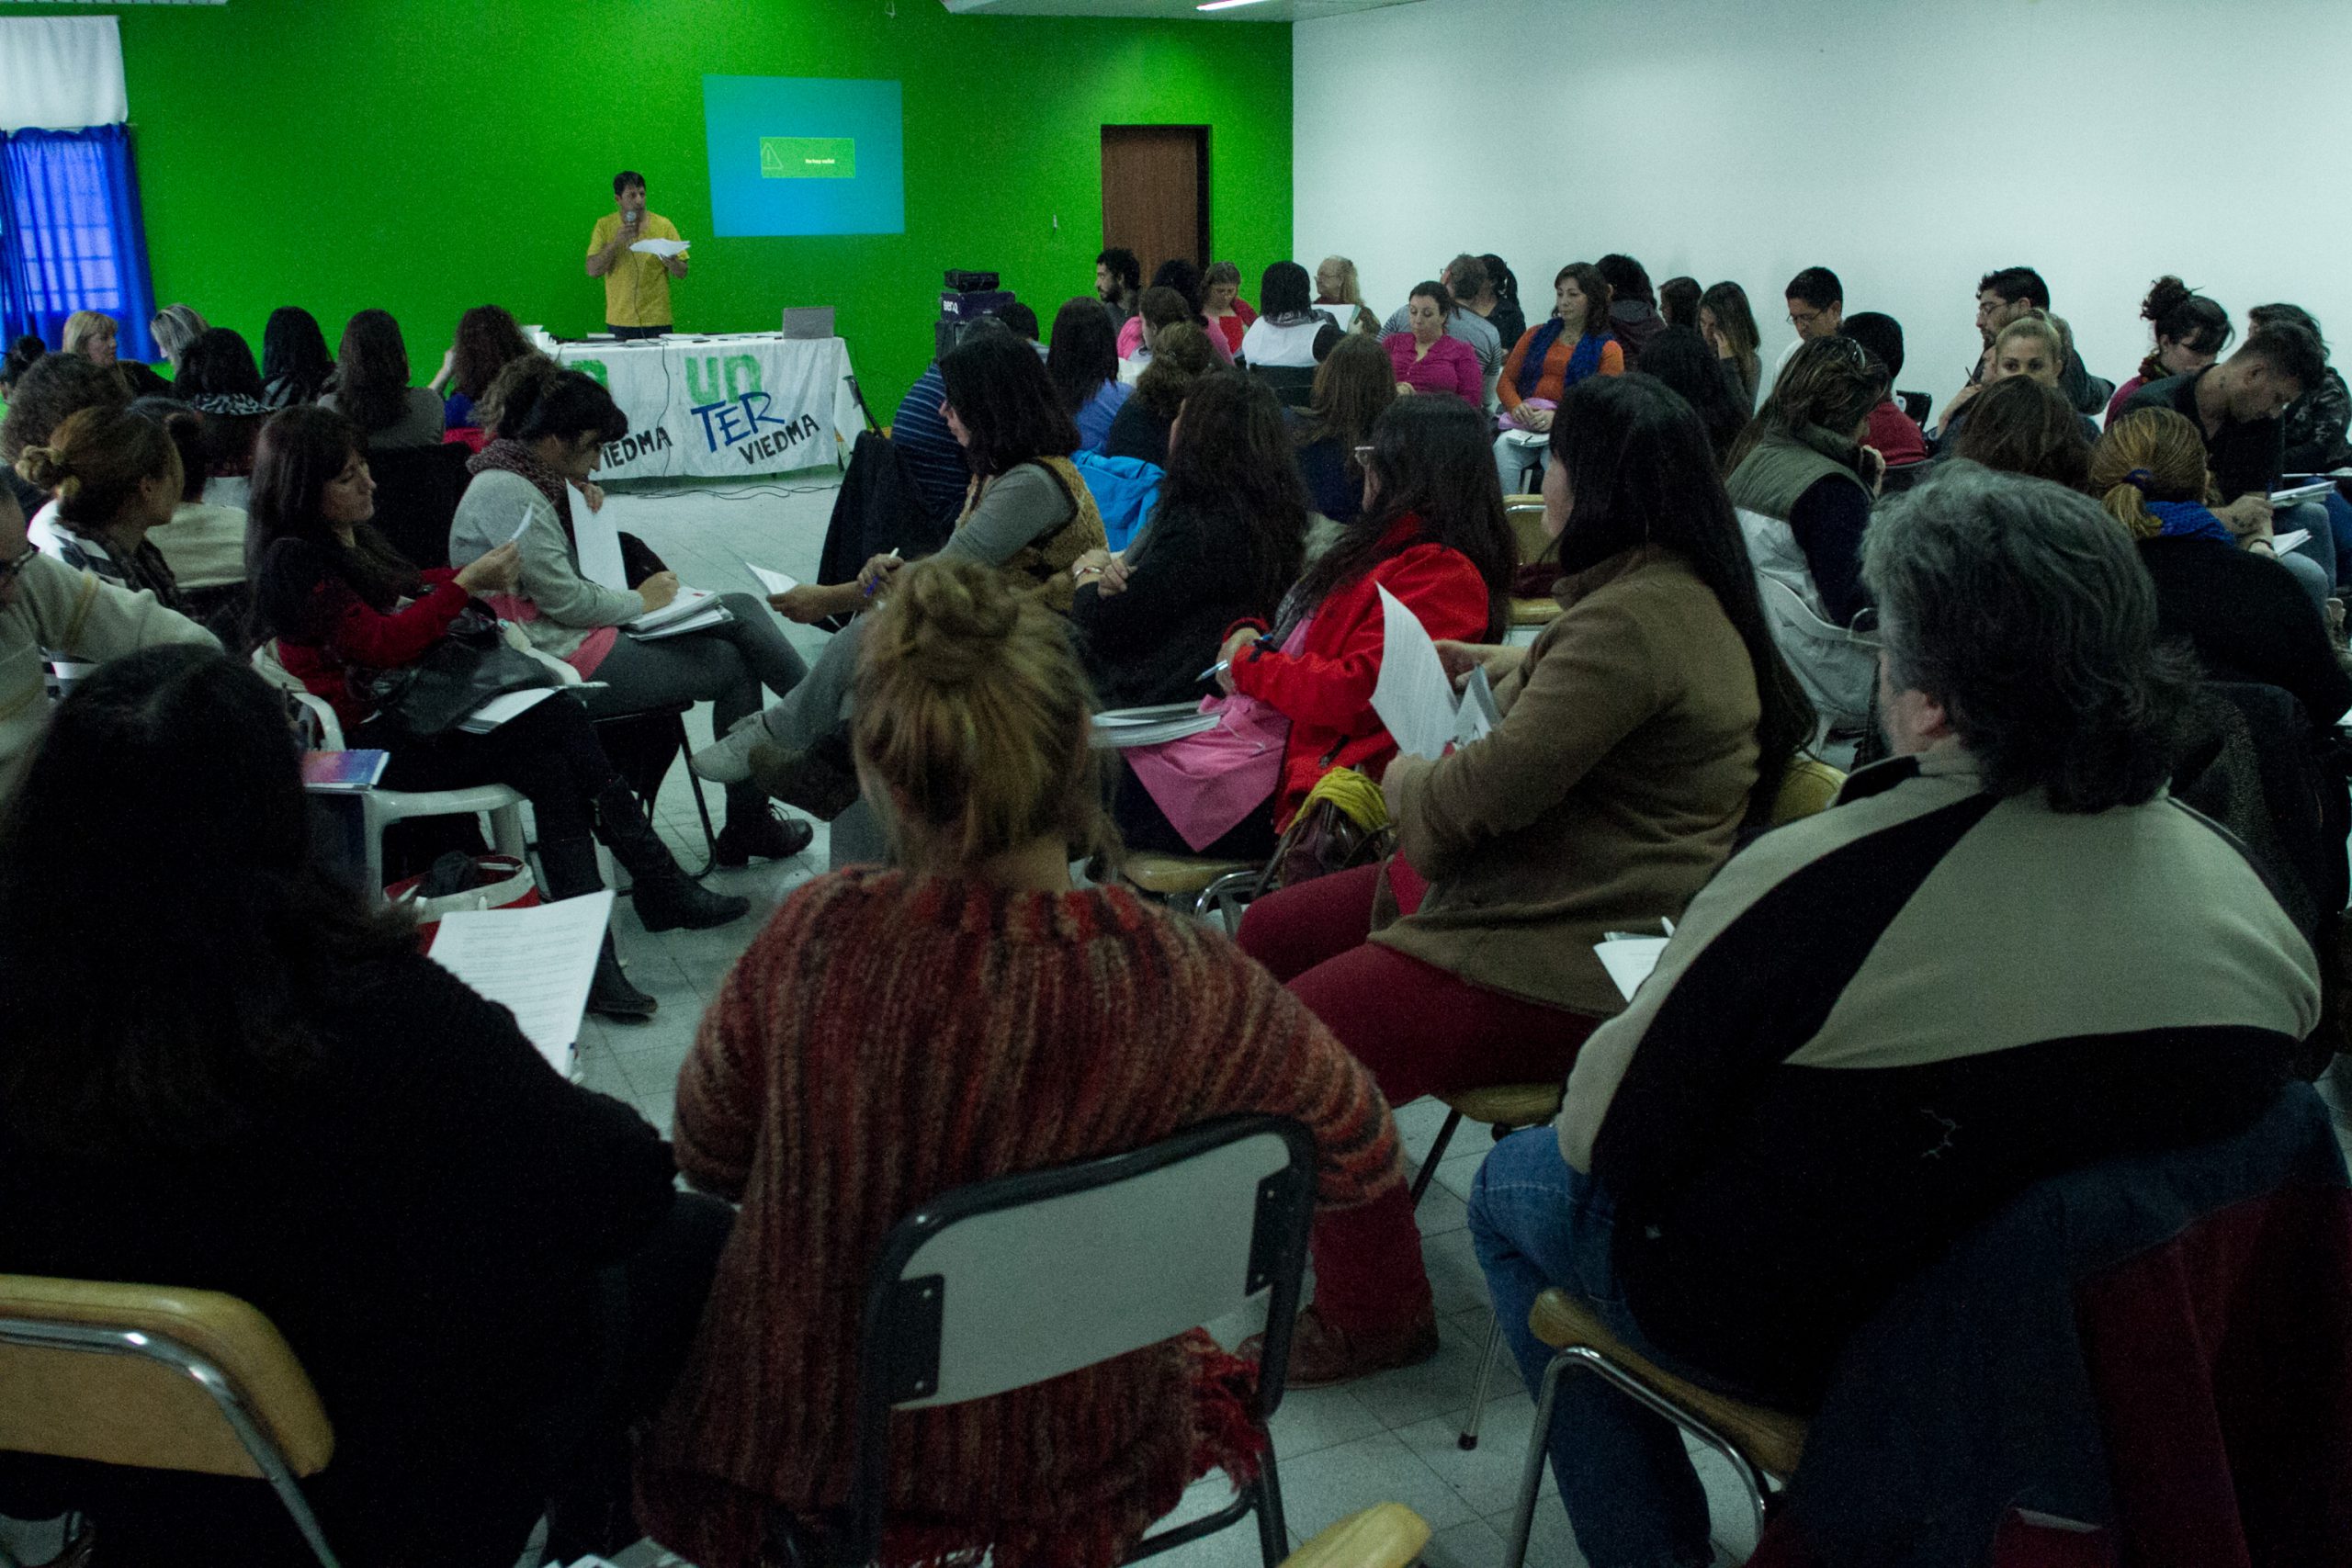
(1649, 721)
(2190, 331)
(1894, 434)
(1353, 388)
(1298, 687)
(2016, 293)
(1181, 353)
(230, 1075)
(93, 335)
(1338, 289)
(1291, 333)
(1428, 356)
(1729, 327)
(1084, 365)
(372, 391)
(1029, 516)
(1680, 359)
(1546, 361)
(1803, 483)
(344, 608)
(1223, 545)
(553, 426)
(489, 340)
(1632, 305)
(49, 608)
(1118, 282)
(1049, 1023)
(1228, 314)
(295, 365)
(1735, 1213)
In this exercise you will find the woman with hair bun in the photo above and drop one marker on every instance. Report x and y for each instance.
(113, 475)
(2190, 331)
(967, 1015)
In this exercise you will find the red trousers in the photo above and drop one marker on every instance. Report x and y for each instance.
(1421, 1030)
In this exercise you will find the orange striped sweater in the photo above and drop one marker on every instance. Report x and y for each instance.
(887, 1038)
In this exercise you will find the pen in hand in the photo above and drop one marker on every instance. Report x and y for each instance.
(869, 588)
(1213, 670)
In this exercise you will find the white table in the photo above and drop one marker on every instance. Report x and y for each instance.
(723, 406)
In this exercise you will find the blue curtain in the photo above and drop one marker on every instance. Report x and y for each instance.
(70, 236)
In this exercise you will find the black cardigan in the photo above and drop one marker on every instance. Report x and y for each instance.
(421, 1219)
(2248, 620)
(1185, 588)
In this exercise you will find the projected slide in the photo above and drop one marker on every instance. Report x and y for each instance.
(804, 156)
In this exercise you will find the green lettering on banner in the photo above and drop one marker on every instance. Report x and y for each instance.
(751, 383)
(594, 368)
(739, 373)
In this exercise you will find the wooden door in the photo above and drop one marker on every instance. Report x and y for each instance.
(1155, 192)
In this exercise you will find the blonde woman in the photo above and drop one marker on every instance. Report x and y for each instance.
(93, 335)
(1336, 289)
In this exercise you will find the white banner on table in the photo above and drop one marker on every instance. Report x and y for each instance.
(722, 407)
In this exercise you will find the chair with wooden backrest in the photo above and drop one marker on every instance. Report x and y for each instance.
(1526, 515)
(1211, 885)
(159, 1378)
(1807, 787)
(1762, 1445)
(1387, 1535)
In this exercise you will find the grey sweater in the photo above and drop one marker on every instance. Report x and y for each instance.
(570, 605)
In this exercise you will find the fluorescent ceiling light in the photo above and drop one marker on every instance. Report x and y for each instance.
(1225, 4)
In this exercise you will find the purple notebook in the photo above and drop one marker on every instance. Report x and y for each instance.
(342, 770)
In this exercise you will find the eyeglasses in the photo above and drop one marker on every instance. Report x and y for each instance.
(1804, 320)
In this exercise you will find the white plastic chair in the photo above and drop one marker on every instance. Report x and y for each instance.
(1009, 1282)
(379, 808)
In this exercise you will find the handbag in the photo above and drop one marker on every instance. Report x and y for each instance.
(472, 663)
(1342, 824)
(458, 881)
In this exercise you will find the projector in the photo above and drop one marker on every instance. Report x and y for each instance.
(964, 282)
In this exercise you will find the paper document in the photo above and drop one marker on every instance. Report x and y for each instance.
(536, 962)
(520, 528)
(2281, 543)
(2300, 492)
(1630, 959)
(663, 248)
(1412, 697)
(1150, 726)
(498, 710)
(771, 581)
(1477, 717)
(599, 542)
(691, 611)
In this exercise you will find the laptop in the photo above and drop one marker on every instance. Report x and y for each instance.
(807, 320)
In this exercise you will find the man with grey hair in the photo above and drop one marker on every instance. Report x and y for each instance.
(2006, 953)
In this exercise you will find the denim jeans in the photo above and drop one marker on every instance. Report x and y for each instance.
(2339, 523)
(2318, 578)
(1633, 1497)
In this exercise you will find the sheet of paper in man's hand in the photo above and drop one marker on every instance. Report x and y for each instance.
(665, 248)
(537, 963)
(1412, 695)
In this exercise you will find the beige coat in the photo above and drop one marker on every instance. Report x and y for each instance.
(1605, 798)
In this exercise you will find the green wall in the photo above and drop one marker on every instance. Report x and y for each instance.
(428, 155)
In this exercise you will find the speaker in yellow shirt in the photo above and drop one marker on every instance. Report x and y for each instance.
(637, 283)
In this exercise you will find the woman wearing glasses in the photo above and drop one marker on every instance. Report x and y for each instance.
(1803, 480)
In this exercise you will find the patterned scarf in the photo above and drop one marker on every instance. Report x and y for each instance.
(513, 458)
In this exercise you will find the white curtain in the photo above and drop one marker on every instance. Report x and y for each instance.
(61, 74)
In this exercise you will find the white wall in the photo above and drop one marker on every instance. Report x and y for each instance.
(1909, 145)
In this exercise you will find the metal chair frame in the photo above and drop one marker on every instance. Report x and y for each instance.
(94, 1339)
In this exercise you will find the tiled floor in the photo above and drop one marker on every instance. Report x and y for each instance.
(1389, 1437)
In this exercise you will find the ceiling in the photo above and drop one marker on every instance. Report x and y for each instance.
(1267, 11)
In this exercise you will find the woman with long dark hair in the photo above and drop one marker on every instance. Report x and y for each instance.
(372, 391)
(1433, 534)
(1353, 387)
(553, 426)
(489, 340)
(1290, 329)
(1650, 721)
(343, 605)
(1545, 361)
(225, 1072)
(1680, 359)
(295, 365)
(1083, 361)
(1729, 326)
(218, 379)
(1223, 545)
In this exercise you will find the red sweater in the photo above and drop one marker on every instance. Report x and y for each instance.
(366, 638)
(1327, 689)
(887, 1038)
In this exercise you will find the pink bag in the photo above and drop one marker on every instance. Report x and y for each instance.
(1206, 785)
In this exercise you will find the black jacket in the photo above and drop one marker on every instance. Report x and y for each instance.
(1186, 585)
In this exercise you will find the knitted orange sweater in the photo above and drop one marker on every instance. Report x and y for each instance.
(885, 1039)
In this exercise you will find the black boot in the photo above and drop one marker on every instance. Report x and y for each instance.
(572, 871)
(666, 896)
(754, 829)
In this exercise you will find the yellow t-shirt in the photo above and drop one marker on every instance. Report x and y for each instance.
(636, 291)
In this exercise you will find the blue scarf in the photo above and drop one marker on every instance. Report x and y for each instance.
(1582, 362)
(2188, 520)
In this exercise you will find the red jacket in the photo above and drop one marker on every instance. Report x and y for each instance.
(367, 640)
(1325, 690)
